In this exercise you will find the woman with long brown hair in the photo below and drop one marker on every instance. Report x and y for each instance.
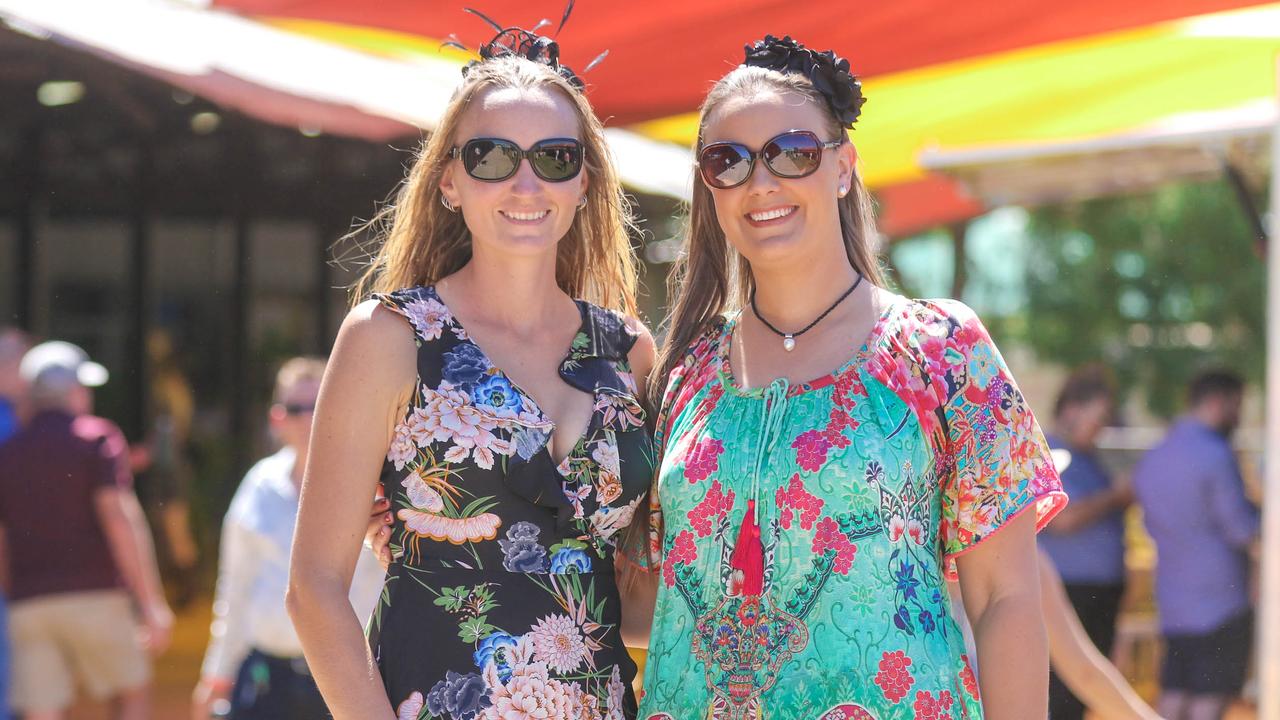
(490, 385)
(831, 451)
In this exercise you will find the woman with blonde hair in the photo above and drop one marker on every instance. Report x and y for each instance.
(832, 451)
(490, 385)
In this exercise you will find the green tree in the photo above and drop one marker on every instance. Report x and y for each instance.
(1157, 286)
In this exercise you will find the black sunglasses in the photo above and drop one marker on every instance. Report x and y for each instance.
(793, 154)
(495, 159)
(295, 409)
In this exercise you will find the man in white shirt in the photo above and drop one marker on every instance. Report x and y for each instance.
(254, 659)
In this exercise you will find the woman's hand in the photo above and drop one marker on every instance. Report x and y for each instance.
(378, 535)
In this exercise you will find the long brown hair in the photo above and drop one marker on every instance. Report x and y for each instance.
(420, 242)
(710, 277)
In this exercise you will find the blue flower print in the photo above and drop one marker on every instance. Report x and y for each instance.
(529, 442)
(523, 530)
(521, 551)
(983, 366)
(926, 621)
(496, 392)
(461, 696)
(494, 648)
(902, 619)
(570, 560)
(464, 366)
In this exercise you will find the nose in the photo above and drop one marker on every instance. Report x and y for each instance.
(762, 181)
(525, 182)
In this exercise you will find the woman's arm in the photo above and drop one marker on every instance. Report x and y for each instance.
(638, 586)
(366, 387)
(1080, 665)
(1001, 591)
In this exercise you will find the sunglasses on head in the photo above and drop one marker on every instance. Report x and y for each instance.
(793, 154)
(495, 159)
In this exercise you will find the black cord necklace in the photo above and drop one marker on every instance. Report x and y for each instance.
(789, 339)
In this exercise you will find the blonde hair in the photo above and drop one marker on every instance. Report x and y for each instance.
(710, 277)
(296, 370)
(422, 242)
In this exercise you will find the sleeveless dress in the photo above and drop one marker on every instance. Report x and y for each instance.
(804, 532)
(502, 602)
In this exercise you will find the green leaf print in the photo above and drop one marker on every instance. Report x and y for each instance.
(453, 598)
(474, 630)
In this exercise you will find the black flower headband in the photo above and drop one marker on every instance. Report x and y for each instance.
(828, 72)
(527, 44)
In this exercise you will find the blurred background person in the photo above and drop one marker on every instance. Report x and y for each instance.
(165, 466)
(1193, 501)
(254, 659)
(1086, 540)
(13, 345)
(70, 616)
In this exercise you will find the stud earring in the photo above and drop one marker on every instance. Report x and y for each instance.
(843, 191)
(582, 202)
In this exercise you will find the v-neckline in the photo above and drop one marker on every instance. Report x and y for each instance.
(465, 336)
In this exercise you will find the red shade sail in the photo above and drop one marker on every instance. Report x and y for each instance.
(664, 54)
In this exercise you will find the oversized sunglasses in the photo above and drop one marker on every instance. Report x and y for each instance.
(495, 159)
(793, 154)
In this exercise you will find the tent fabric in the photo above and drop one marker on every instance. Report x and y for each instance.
(665, 53)
(1106, 84)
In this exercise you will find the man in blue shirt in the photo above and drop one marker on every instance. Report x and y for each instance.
(1204, 528)
(1086, 540)
(13, 345)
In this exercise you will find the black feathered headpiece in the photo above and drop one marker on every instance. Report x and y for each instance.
(828, 72)
(527, 44)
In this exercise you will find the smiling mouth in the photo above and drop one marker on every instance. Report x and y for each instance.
(773, 214)
(524, 216)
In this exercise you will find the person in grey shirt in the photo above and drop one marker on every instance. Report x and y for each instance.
(1193, 502)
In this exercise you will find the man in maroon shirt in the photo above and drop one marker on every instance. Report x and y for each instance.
(77, 549)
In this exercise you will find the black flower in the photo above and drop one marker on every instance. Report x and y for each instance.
(527, 44)
(828, 72)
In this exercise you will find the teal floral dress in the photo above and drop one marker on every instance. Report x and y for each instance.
(501, 602)
(804, 533)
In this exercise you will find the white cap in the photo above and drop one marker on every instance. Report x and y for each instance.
(58, 365)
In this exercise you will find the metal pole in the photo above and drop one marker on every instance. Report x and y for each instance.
(26, 255)
(140, 293)
(1269, 602)
(960, 273)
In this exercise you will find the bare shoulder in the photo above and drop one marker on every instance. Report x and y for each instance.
(644, 352)
(375, 344)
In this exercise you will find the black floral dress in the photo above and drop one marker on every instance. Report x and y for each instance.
(502, 602)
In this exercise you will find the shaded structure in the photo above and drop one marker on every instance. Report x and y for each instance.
(131, 207)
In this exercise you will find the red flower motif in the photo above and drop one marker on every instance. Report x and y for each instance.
(716, 503)
(795, 497)
(968, 679)
(829, 537)
(703, 459)
(811, 450)
(927, 707)
(894, 678)
(683, 551)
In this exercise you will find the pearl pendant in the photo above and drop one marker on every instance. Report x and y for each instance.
(788, 343)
